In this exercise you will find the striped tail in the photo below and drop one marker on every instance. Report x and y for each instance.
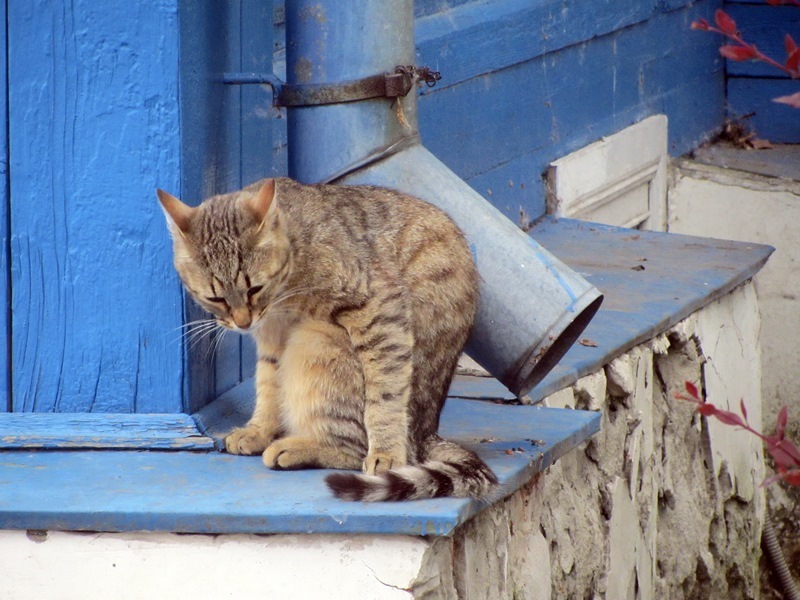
(448, 470)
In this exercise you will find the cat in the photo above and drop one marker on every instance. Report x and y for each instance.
(360, 300)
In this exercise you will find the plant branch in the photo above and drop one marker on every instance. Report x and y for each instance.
(783, 451)
(743, 50)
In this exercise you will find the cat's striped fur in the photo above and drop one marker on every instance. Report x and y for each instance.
(360, 300)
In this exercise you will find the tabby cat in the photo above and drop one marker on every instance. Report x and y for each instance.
(360, 300)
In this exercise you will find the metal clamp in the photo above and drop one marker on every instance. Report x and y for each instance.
(388, 85)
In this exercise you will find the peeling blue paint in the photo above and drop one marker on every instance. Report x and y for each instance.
(93, 130)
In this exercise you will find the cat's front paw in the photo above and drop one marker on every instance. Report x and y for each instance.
(248, 440)
(380, 462)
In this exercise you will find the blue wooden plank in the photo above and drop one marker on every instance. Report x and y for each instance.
(93, 131)
(216, 493)
(257, 118)
(651, 281)
(49, 431)
(479, 388)
(5, 268)
(227, 360)
(776, 122)
(204, 31)
(227, 143)
(530, 113)
(468, 39)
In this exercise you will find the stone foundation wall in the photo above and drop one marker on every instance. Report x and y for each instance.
(660, 504)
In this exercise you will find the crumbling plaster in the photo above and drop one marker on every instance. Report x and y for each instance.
(661, 503)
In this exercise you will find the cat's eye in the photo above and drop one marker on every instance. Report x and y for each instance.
(215, 299)
(254, 290)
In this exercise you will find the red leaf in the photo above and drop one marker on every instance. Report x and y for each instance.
(738, 53)
(707, 410)
(793, 100)
(790, 44)
(791, 451)
(782, 459)
(792, 477)
(729, 418)
(785, 454)
(780, 423)
(700, 24)
(692, 389)
(794, 60)
(724, 22)
(743, 409)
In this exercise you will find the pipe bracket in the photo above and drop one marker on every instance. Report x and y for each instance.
(387, 85)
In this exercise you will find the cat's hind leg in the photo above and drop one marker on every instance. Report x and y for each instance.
(321, 385)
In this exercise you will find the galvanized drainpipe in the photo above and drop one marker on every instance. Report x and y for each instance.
(532, 306)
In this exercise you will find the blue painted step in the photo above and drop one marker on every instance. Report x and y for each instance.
(218, 493)
(98, 431)
(651, 281)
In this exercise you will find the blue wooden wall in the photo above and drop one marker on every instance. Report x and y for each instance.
(5, 283)
(111, 99)
(753, 85)
(546, 77)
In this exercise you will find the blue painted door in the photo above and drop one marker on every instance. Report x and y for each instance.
(93, 129)
(108, 100)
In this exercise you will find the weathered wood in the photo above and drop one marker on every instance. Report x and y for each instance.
(651, 281)
(219, 493)
(619, 180)
(5, 299)
(503, 127)
(470, 39)
(774, 122)
(78, 431)
(93, 131)
(227, 144)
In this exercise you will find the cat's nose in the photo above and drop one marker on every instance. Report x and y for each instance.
(242, 318)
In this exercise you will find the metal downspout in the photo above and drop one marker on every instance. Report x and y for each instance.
(532, 306)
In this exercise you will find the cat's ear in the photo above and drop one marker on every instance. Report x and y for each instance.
(179, 215)
(262, 205)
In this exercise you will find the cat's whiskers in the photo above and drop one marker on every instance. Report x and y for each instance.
(192, 330)
(191, 324)
(216, 342)
(199, 330)
(200, 334)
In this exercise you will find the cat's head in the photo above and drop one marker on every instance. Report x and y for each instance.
(231, 253)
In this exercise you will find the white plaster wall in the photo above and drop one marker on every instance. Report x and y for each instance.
(659, 504)
(730, 204)
(81, 566)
